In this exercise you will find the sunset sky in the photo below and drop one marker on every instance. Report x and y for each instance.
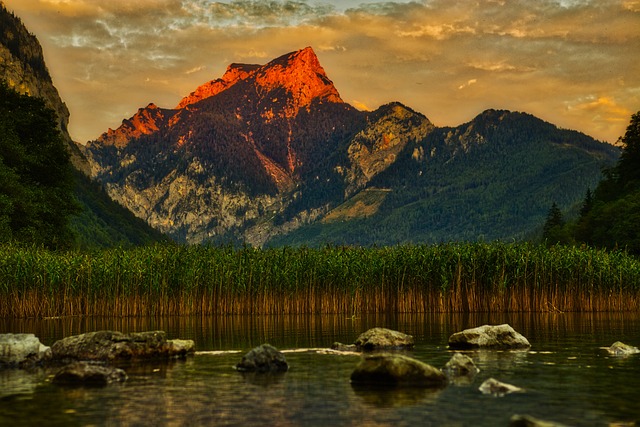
(575, 63)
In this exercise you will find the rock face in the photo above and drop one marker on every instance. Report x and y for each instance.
(264, 358)
(460, 365)
(22, 66)
(21, 350)
(114, 346)
(383, 339)
(88, 374)
(497, 388)
(621, 349)
(489, 336)
(386, 369)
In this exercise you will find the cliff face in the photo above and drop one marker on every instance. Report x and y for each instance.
(22, 66)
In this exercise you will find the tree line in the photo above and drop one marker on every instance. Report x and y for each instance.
(609, 216)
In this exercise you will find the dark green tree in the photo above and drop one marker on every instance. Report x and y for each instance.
(628, 168)
(36, 176)
(553, 231)
(611, 219)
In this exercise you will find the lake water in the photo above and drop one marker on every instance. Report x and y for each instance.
(566, 378)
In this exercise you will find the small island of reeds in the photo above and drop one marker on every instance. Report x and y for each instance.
(166, 280)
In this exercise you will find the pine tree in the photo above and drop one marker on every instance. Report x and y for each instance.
(552, 232)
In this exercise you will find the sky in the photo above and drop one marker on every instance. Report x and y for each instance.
(574, 63)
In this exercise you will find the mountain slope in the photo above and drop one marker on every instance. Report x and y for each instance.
(273, 150)
(492, 178)
(101, 222)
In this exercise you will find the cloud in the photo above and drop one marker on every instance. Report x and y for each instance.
(546, 57)
(467, 84)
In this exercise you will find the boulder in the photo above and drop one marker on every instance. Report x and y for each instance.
(338, 346)
(264, 358)
(497, 388)
(488, 336)
(116, 346)
(388, 369)
(528, 421)
(88, 374)
(621, 349)
(383, 339)
(460, 365)
(22, 350)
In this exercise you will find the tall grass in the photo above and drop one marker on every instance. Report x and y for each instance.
(165, 280)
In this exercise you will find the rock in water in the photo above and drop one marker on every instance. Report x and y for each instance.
(383, 339)
(621, 349)
(89, 374)
(264, 358)
(497, 388)
(386, 369)
(489, 336)
(113, 346)
(460, 365)
(21, 350)
(338, 346)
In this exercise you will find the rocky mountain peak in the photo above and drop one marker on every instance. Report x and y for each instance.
(235, 73)
(301, 74)
(145, 122)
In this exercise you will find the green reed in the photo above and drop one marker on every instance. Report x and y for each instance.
(184, 280)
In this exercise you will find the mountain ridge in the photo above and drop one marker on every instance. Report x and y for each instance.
(268, 149)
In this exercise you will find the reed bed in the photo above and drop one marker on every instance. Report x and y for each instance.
(167, 280)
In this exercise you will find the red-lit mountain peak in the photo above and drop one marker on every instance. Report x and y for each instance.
(234, 73)
(145, 122)
(301, 74)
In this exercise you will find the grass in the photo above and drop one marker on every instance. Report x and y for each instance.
(165, 280)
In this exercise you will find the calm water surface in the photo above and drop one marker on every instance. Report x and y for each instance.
(567, 379)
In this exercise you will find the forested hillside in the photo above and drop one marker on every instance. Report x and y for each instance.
(492, 178)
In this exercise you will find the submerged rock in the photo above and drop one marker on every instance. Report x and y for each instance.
(22, 350)
(114, 346)
(489, 336)
(621, 349)
(89, 374)
(383, 339)
(386, 369)
(338, 346)
(264, 358)
(460, 365)
(527, 421)
(497, 388)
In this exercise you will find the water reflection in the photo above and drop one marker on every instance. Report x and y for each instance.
(566, 377)
(395, 397)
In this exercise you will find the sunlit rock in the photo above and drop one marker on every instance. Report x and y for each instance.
(528, 421)
(22, 350)
(388, 369)
(113, 346)
(264, 358)
(460, 365)
(497, 388)
(88, 374)
(621, 349)
(489, 336)
(383, 339)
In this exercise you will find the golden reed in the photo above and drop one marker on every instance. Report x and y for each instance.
(172, 280)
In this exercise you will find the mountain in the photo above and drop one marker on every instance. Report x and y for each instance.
(493, 178)
(100, 222)
(271, 154)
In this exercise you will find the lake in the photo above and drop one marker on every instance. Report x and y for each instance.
(566, 377)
